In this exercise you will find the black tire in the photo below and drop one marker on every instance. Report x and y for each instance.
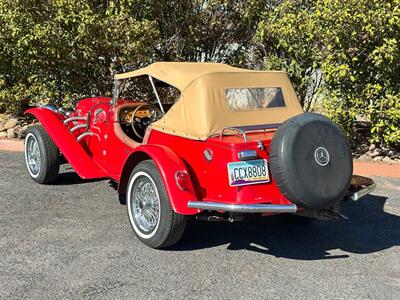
(49, 155)
(311, 161)
(170, 226)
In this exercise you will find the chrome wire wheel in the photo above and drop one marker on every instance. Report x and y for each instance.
(153, 220)
(32, 155)
(145, 204)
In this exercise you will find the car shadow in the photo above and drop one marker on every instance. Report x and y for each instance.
(68, 178)
(369, 229)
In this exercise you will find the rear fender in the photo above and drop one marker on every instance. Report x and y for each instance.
(168, 163)
(73, 152)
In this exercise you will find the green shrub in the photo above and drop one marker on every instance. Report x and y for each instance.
(51, 50)
(343, 56)
(57, 50)
(354, 45)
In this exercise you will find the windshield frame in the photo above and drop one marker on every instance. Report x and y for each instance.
(116, 92)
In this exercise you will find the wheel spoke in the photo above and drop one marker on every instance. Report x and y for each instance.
(145, 205)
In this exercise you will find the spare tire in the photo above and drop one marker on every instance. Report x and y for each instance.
(310, 161)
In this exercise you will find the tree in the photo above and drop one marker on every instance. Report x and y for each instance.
(57, 49)
(52, 50)
(201, 30)
(345, 53)
(342, 56)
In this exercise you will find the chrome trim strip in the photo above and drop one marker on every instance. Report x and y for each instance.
(74, 119)
(78, 127)
(85, 134)
(243, 208)
(361, 193)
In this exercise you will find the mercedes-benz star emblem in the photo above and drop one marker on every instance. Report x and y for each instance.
(321, 156)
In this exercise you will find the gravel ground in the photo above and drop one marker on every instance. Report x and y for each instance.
(73, 240)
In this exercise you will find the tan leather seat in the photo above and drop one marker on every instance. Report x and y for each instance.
(117, 126)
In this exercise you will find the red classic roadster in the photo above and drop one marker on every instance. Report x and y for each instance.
(210, 141)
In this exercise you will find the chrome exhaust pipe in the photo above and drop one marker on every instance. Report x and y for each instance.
(361, 193)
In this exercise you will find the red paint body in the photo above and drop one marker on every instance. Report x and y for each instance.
(105, 155)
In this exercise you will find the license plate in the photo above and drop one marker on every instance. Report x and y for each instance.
(248, 172)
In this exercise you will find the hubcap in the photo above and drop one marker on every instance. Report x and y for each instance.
(33, 155)
(145, 204)
(321, 156)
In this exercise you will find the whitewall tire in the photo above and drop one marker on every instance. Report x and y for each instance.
(152, 218)
(42, 156)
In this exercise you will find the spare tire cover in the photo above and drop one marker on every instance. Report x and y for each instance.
(310, 161)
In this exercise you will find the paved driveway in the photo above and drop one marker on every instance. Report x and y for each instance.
(73, 240)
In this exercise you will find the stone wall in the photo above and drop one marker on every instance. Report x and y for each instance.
(11, 127)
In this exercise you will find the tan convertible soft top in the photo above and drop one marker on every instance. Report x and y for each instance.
(179, 74)
(202, 109)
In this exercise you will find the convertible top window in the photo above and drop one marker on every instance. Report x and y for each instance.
(242, 99)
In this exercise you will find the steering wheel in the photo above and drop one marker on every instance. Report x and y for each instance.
(142, 117)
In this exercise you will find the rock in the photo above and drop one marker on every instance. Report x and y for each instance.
(10, 123)
(372, 147)
(387, 160)
(375, 153)
(3, 135)
(365, 157)
(11, 133)
(20, 134)
(378, 158)
(384, 152)
(2, 128)
(25, 127)
(362, 148)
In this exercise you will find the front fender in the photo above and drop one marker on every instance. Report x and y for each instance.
(168, 163)
(73, 152)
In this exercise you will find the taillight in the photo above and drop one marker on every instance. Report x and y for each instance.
(182, 180)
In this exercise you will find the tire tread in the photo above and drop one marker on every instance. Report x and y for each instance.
(51, 159)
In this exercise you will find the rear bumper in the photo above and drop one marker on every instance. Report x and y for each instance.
(360, 186)
(243, 208)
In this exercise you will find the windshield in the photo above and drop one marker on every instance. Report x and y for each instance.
(243, 99)
(141, 89)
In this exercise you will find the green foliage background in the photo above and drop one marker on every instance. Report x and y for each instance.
(343, 56)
